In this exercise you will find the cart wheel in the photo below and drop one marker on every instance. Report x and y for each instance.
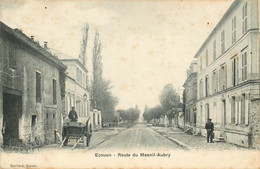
(85, 141)
(66, 142)
(88, 141)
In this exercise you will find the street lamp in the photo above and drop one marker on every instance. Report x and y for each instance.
(85, 97)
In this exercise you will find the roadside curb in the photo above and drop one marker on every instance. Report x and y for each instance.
(181, 144)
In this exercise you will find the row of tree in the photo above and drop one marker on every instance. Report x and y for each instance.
(169, 104)
(130, 115)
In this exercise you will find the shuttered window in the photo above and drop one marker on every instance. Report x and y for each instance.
(54, 89)
(38, 87)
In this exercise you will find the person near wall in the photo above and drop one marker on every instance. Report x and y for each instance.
(210, 128)
(73, 115)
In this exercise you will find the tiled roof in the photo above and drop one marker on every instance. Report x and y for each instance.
(31, 44)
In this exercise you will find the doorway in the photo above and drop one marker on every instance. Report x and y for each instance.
(207, 113)
(224, 112)
(12, 108)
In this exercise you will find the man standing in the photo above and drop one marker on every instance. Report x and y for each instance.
(210, 128)
(73, 115)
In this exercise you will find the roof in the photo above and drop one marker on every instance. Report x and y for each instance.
(230, 9)
(67, 58)
(32, 44)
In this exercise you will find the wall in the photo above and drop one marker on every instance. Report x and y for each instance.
(235, 133)
(26, 63)
(255, 123)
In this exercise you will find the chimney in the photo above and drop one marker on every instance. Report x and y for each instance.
(45, 45)
(32, 38)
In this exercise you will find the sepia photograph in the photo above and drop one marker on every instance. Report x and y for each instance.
(129, 84)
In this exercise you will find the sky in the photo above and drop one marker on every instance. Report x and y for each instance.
(146, 44)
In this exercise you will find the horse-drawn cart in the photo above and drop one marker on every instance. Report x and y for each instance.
(79, 131)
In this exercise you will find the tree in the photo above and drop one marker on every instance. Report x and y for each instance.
(169, 98)
(153, 113)
(101, 95)
(130, 115)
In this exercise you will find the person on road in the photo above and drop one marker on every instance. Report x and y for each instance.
(210, 128)
(73, 115)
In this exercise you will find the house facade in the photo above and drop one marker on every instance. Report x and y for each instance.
(190, 87)
(32, 90)
(228, 79)
(77, 90)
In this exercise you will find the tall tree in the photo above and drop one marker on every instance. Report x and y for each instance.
(101, 96)
(83, 44)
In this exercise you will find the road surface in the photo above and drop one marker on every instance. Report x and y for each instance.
(138, 137)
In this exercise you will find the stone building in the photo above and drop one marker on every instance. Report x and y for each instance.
(228, 76)
(77, 90)
(190, 87)
(32, 90)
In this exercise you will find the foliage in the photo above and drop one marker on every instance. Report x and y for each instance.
(169, 100)
(130, 115)
(101, 95)
(153, 113)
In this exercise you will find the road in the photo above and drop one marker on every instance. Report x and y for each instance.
(138, 137)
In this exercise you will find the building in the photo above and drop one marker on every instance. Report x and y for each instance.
(32, 90)
(77, 90)
(96, 119)
(190, 97)
(228, 76)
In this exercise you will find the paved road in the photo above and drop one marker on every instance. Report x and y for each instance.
(138, 137)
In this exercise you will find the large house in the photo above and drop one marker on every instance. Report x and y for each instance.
(32, 90)
(77, 90)
(228, 76)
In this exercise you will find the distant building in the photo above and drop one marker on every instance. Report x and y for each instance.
(190, 95)
(229, 78)
(96, 119)
(32, 90)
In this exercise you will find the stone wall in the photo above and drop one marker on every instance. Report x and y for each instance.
(23, 62)
(255, 123)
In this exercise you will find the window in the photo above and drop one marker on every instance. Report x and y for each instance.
(233, 110)
(201, 88)
(234, 30)
(201, 63)
(12, 56)
(207, 58)
(243, 109)
(244, 66)
(214, 50)
(38, 88)
(244, 19)
(215, 82)
(79, 76)
(207, 85)
(222, 41)
(235, 71)
(54, 85)
(223, 77)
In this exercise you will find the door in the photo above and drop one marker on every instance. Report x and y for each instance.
(12, 107)
(224, 112)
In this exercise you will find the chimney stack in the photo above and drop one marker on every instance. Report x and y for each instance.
(32, 38)
(45, 45)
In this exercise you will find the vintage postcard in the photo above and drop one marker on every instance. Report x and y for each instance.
(129, 84)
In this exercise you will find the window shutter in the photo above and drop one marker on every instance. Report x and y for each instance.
(247, 109)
